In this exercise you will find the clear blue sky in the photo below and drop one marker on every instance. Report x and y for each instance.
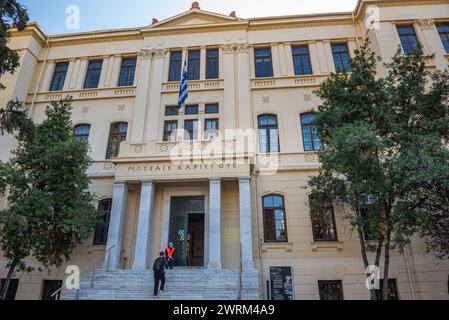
(110, 14)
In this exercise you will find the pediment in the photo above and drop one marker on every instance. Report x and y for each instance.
(194, 18)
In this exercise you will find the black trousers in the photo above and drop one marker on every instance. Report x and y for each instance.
(159, 277)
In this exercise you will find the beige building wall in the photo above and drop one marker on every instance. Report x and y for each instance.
(242, 98)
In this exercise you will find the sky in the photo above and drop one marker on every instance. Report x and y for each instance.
(112, 14)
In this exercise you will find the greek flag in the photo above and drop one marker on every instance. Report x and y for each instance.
(184, 88)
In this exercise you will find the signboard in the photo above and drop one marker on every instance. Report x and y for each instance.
(281, 280)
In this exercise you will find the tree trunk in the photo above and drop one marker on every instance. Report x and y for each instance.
(386, 266)
(5, 288)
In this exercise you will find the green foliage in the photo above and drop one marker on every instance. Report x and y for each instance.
(12, 14)
(385, 148)
(50, 210)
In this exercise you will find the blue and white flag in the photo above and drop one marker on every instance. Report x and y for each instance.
(184, 88)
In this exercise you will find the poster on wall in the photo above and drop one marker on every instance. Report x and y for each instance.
(281, 283)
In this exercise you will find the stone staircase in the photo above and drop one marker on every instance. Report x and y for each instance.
(181, 284)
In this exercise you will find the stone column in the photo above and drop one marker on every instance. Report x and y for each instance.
(142, 254)
(246, 240)
(431, 40)
(116, 224)
(69, 75)
(229, 77)
(203, 63)
(48, 76)
(215, 224)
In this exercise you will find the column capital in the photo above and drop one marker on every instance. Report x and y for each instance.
(215, 180)
(147, 181)
(244, 179)
(119, 182)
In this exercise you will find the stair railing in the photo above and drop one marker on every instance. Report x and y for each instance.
(240, 275)
(90, 269)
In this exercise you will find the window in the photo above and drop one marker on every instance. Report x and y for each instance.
(127, 72)
(211, 127)
(264, 66)
(170, 128)
(211, 108)
(212, 65)
(310, 132)
(191, 129)
(81, 132)
(116, 136)
(193, 109)
(93, 74)
(50, 287)
(12, 289)
(331, 290)
(324, 228)
(57, 83)
(101, 233)
(171, 111)
(443, 30)
(341, 56)
(392, 291)
(174, 73)
(275, 225)
(408, 39)
(268, 134)
(193, 68)
(301, 60)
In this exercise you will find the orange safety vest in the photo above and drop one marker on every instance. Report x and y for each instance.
(170, 251)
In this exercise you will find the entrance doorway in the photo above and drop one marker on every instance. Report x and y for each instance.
(187, 230)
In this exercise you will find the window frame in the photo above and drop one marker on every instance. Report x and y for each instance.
(82, 137)
(264, 60)
(166, 135)
(194, 64)
(331, 282)
(11, 294)
(212, 64)
(213, 134)
(175, 66)
(58, 285)
(194, 107)
(209, 105)
(284, 211)
(130, 72)
(112, 134)
(93, 74)
(191, 132)
(101, 240)
(268, 129)
(330, 211)
(300, 57)
(313, 137)
(406, 42)
(57, 81)
(444, 35)
(395, 286)
(340, 55)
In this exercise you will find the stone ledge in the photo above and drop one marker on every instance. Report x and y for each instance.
(332, 245)
(287, 246)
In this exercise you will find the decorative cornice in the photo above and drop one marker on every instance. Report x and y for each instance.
(76, 41)
(235, 47)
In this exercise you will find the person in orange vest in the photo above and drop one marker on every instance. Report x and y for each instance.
(170, 255)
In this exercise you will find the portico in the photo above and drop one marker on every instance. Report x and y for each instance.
(200, 216)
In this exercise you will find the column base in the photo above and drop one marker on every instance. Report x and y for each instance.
(214, 265)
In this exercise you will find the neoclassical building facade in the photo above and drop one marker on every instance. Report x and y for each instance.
(239, 209)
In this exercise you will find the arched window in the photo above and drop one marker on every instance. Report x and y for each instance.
(82, 132)
(116, 136)
(268, 133)
(101, 233)
(275, 223)
(310, 132)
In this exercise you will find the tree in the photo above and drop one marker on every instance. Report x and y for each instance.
(384, 153)
(12, 14)
(49, 209)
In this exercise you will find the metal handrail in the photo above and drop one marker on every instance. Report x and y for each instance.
(240, 275)
(91, 265)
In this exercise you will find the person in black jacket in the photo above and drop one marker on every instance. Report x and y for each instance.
(159, 266)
